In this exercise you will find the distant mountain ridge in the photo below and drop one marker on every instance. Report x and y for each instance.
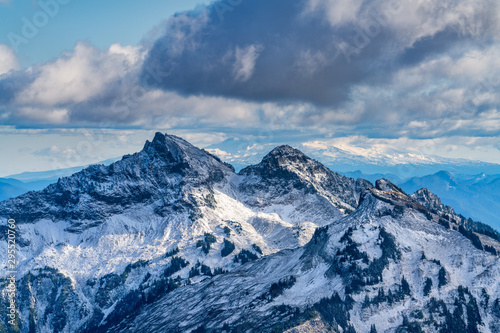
(473, 177)
(403, 164)
(477, 197)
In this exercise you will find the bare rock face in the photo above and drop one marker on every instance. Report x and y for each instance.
(432, 201)
(311, 326)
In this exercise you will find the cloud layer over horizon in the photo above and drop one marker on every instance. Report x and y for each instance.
(378, 68)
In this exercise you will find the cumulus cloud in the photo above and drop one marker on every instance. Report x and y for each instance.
(78, 76)
(381, 67)
(337, 11)
(441, 96)
(312, 50)
(56, 92)
(8, 60)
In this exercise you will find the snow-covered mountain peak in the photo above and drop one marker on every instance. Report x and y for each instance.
(287, 175)
(160, 174)
(290, 164)
(167, 146)
(281, 158)
(284, 151)
(174, 150)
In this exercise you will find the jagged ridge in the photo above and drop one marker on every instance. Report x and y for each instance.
(157, 172)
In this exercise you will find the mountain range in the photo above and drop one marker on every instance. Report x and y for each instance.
(404, 164)
(172, 239)
(475, 196)
(471, 187)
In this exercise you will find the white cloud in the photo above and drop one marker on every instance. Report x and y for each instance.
(310, 62)
(410, 20)
(337, 11)
(184, 39)
(49, 116)
(80, 75)
(131, 54)
(8, 60)
(245, 61)
(436, 95)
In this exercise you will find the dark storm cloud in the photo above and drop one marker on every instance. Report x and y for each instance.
(263, 50)
(277, 50)
(379, 67)
(433, 45)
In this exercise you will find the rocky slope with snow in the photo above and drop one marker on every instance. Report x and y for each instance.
(94, 246)
(390, 266)
(286, 177)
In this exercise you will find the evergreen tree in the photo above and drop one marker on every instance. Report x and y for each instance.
(373, 329)
(427, 287)
(390, 297)
(366, 302)
(485, 298)
(473, 315)
(205, 270)
(405, 287)
(411, 327)
(457, 320)
(442, 277)
(349, 329)
(380, 296)
(227, 249)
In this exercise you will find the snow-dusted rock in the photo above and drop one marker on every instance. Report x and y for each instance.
(168, 215)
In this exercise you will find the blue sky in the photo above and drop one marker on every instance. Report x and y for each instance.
(101, 23)
(96, 79)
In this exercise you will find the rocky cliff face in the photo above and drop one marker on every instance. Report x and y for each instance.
(432, 202)
(158, 176)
